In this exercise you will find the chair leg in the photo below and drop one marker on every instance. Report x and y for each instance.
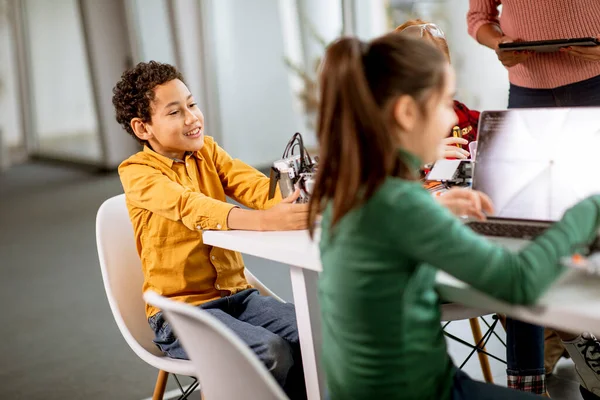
(483, 359)
(161, 384)
(502, 319)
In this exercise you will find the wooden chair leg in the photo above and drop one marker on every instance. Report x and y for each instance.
(161, 384)
(483, 358)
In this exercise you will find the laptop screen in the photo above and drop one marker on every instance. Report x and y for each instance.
(536, 163)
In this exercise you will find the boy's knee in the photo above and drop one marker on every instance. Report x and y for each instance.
(276, 354)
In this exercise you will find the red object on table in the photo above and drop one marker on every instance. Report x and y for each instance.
(468, 120)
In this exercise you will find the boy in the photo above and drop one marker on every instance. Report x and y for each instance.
(176, 188)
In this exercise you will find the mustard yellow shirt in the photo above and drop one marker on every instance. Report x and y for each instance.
(171, 202)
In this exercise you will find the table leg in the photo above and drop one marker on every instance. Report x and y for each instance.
(308, 315)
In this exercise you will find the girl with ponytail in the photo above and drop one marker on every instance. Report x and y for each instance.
(385, 108)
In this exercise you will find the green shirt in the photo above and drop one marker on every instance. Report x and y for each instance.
(382, 337)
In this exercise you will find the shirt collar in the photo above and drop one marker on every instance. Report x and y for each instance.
(170, 161)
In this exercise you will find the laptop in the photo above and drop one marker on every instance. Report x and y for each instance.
(535, 164)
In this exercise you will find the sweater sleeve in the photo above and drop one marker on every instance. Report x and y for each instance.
(482, 12)
(440, 239)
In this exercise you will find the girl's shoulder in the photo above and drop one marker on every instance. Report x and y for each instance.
(395, 190)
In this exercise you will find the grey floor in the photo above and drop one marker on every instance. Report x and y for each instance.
(59, 340)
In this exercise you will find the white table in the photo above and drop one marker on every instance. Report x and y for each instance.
(571, 304)
(302, 255)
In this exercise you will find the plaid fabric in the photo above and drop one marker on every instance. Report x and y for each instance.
(528, 383)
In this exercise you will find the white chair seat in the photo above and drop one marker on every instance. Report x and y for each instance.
(458, 312)
(225, 365)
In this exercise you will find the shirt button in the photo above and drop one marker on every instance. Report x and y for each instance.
(212, 258)
(198, 227)
(218, 226)
(218, 287)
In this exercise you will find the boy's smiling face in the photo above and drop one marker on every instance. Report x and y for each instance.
(176, 125)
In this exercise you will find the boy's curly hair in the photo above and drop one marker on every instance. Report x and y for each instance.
(134, 93)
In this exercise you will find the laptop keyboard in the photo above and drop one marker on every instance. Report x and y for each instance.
(515, 231)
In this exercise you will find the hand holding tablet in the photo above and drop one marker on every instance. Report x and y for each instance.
(510, 58)
(548, 46)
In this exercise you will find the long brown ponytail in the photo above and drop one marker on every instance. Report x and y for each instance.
(359, 83)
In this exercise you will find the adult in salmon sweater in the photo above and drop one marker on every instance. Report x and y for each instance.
(568, 78)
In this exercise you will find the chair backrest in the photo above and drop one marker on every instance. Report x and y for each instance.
(225, 366)
(122, 275)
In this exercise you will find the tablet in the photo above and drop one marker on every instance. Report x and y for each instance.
(548, 46)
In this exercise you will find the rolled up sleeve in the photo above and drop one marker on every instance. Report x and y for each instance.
(146, 187)
(482, 12)
(242, 182)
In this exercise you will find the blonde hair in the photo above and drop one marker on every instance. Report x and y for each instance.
(440, 43)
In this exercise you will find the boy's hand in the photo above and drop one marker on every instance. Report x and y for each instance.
(286, 216)
(466, 202)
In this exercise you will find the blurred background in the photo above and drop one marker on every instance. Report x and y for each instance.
(248, 62)
(251, 66)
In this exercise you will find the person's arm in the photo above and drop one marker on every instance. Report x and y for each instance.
(491, 35)
(242, 182)
(484, 26)
(147, 188)
(438, 238)
(483, 21)
(285, 216)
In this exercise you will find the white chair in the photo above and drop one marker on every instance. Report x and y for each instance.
(225, 365)
(123, 280)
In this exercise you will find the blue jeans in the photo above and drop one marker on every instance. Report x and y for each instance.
(465, 388)
(266, 325)
(579, 94)
(524, 354)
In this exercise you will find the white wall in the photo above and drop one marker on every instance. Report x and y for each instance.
(482, 81)
(62, 94)
(257, 116)
(153, 31)
(325, 16)
(370, 18)
(320, 22)
(188, 28)
(10, 120)
(110, 54)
